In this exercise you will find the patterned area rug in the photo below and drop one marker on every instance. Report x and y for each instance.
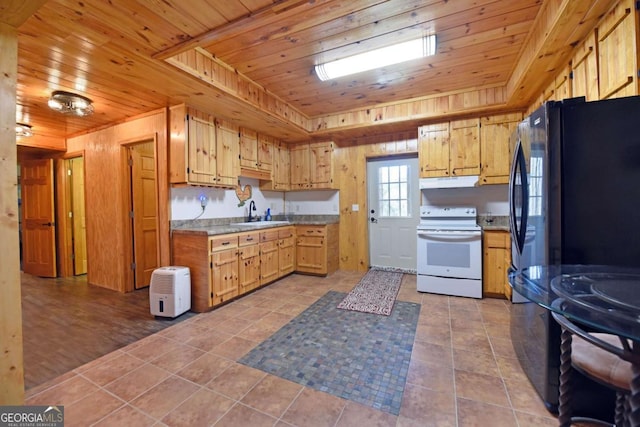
(376, 293)
(357, 356)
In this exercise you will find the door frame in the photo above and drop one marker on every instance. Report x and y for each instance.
(126, 203)
(64, 245)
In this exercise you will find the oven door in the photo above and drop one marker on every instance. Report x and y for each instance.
(456, 254)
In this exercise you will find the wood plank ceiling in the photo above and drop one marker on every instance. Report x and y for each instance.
(121, 54)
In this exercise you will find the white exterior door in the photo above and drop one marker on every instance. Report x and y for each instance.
(394, 212)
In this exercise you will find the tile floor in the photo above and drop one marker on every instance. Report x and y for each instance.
(463, 371)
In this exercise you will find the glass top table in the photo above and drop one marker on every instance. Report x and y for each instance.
(603, 297)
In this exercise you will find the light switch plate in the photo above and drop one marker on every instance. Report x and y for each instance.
(355, 208)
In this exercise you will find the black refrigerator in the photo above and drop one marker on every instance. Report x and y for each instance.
(574, 196)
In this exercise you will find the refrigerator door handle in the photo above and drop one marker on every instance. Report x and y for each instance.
(519, 167)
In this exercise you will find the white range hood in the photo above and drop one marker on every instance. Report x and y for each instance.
(449, 182)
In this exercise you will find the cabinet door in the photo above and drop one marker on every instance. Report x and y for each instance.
(299, 158)
(464, 147)
(494, 147)
(311, 254)
(224, 274)
(248, 148)
(320, 166)
(248, 268)
(433, 150)
(265, 153)
(496, 262)
(584, 67)
(201, 149)
(286, 256)
(281, 168)
(228, 158)
(268, 261)
(617, 52)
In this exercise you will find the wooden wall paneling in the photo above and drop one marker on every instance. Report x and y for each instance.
(584, 69)
(562, 84)
(617, 52)
(107, 252)
(11, 359)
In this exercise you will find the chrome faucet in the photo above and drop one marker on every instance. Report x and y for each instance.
(252, 206)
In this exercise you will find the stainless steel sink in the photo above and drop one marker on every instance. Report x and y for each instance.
(259, 223)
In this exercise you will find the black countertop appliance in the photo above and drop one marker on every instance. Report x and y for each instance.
(574, 196)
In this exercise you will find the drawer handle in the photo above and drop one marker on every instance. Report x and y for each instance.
(249, 239)
(226, 243)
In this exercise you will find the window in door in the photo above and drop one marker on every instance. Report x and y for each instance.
(393, 190)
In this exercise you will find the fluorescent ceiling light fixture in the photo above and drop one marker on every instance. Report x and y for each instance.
(23, 130)
(70, 103)
(378, 58)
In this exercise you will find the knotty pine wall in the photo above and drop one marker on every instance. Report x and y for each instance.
(350, 163)
(107, 225)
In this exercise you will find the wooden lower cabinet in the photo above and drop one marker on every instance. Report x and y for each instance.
(286, 251)
(248, 262)
(317, 249)
(495, 264)
(224, 276)
(226, 266)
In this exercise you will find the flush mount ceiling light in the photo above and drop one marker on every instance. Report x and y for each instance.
(377, 58)
(70, 103)
(23, 130)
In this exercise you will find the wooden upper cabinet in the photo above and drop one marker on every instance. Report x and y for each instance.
(192, 147)
(299, 161)
(248, 149)
(464, 148)
(265, 153)
(228, 153)
(584, 69)
(311, 166)
(433, 150)
(495, 153)
(449, 149)
(256, 154)
(617, 52)
(280, 169)
(320, 163)
(203, 150)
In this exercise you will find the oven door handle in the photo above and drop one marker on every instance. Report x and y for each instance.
(449, 237)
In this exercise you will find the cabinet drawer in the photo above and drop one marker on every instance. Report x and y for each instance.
(311, 230)
(268, 235)
(249, 238)
(221, 243)
(497, 239)
(285, 232)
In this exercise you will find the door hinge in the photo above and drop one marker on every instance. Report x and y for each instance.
(130, 161)
(570, 75)
(211, 265)
(133, 265)
(69, 173)
(130, 214)
(70, 214)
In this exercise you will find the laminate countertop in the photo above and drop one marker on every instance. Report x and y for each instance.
(217, 226)
(495, 223)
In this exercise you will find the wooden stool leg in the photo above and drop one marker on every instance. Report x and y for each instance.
(635, 395)
(564, 407)
(621, 399)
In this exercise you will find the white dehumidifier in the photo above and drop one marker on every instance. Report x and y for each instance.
(170, 291)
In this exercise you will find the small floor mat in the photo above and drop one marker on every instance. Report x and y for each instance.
(375, 293)
(357, 356)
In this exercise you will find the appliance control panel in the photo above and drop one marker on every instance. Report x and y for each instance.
(447, 212)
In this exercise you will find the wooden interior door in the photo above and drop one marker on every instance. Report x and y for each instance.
(144, 212)
(38, 218)
(78, 217)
